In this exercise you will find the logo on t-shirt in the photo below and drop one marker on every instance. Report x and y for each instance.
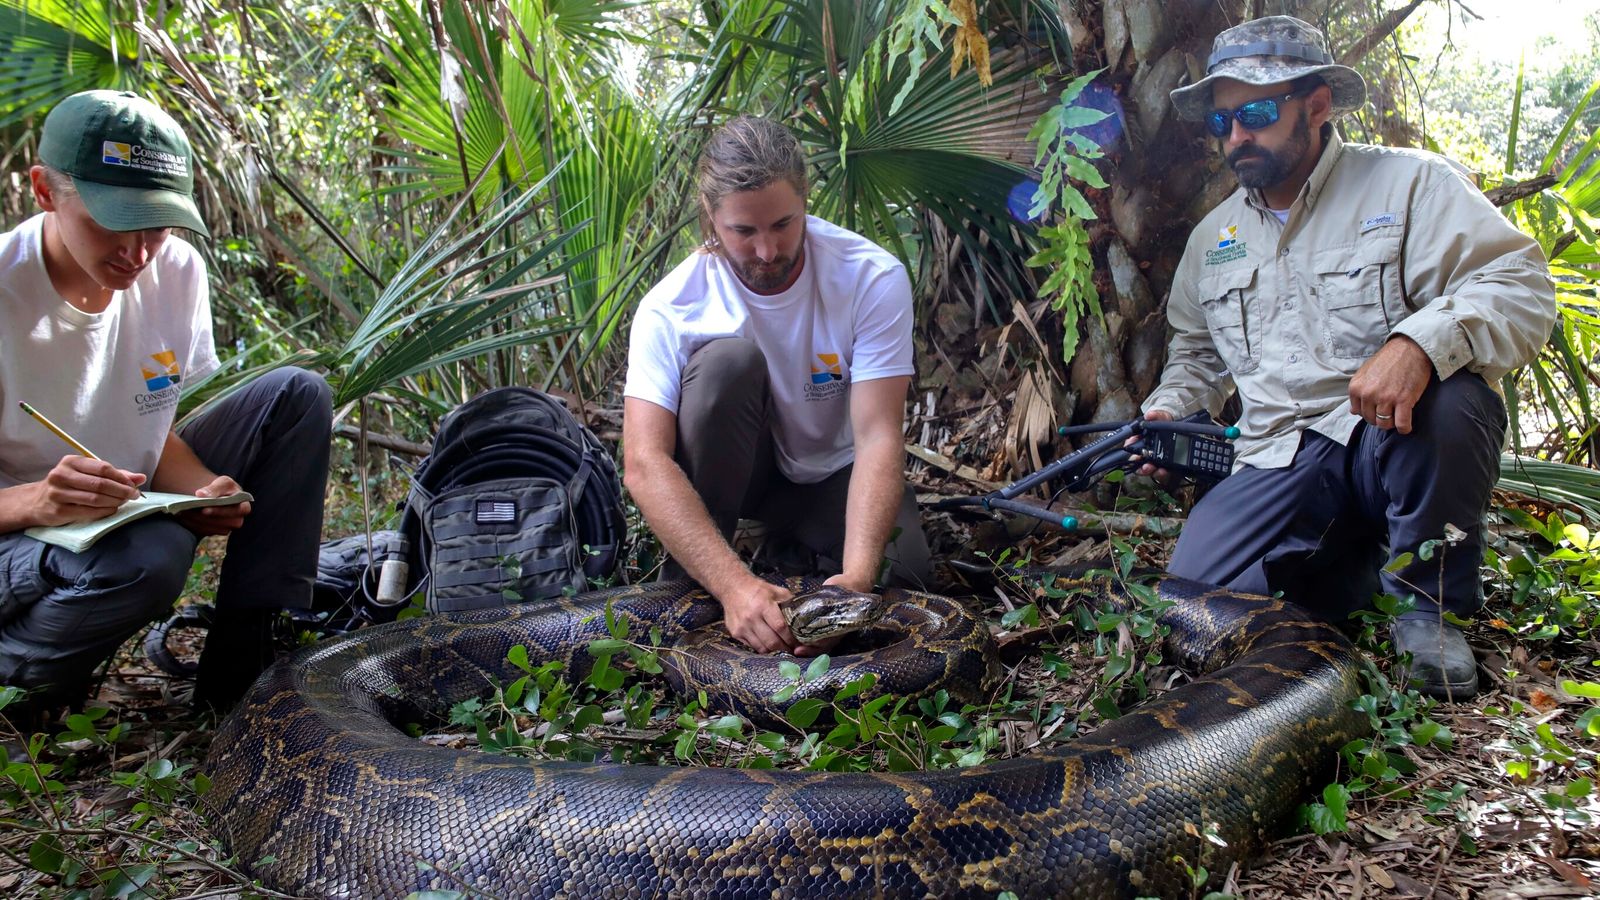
(827, 378)
(164, 373)
(829, 370)
(162, 378)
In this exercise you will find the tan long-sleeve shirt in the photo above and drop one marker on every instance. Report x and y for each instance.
(1380, 242)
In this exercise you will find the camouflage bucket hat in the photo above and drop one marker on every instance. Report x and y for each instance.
(1270, 50)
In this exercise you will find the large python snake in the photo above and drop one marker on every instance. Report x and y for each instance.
(318, 793)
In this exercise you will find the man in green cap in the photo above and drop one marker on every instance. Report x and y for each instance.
(1364, 301)
(104, 314)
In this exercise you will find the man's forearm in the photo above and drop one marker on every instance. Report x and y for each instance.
(1189, 382)
(17, 508)
(679, 518)
(180, 471)
(877, 484)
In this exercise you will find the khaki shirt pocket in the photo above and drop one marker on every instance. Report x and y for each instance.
(1358, 290)
(1227, 298)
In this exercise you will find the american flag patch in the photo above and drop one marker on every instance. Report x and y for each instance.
(491, 511)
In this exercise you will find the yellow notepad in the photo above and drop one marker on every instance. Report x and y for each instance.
(80, 536)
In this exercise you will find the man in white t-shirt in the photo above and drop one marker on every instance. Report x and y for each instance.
(104, 315)
(767, 377)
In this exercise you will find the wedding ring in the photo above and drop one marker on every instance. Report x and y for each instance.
(1382, 416)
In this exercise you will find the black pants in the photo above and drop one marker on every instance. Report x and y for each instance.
(725, 448)
(1321, 529)
(62, 613)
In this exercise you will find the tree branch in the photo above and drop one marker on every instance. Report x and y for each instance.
(1386, 26)
(386, 441)
(1512, 191)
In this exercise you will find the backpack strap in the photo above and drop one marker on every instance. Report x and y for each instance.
(580, 478)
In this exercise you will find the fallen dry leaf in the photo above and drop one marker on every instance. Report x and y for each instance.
(1379, 876)
(1542, 701)
(1405, 884)
(1570, 872)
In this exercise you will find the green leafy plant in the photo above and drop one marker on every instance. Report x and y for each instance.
(1562, 217)
(1547, 594)
(53, 48)
(59, 837)
(1065, 154)
(1377, 764)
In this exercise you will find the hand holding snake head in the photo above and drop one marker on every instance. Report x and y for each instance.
(753, 617)
(830, 612)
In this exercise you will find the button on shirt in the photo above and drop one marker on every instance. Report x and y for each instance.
(1381, 242)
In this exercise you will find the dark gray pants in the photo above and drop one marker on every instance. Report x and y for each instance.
(62, 613)
(1321, 529)
(724, 446)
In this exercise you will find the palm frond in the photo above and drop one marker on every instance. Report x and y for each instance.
(1574, 486)
(464, 293)
(52, 48)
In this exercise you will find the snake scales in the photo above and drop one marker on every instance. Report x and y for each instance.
(318, 793)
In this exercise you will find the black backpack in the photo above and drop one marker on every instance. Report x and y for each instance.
(518, 501)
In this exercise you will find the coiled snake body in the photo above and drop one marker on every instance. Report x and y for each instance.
(318, 793)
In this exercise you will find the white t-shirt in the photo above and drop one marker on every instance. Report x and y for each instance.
(846, 319)
(109, 379)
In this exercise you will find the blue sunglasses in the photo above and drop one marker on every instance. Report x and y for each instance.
(1254, 116)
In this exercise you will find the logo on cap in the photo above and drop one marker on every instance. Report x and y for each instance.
(138, 156)
(113, 153)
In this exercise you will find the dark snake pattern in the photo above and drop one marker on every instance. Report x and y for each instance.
(319, 794)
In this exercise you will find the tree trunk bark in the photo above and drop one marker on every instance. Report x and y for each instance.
(1164, 177)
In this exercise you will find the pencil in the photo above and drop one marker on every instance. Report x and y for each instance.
(56, 430)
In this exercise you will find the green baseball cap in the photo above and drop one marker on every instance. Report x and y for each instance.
(129, 160)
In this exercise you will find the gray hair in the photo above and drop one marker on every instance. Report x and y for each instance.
(746, 154)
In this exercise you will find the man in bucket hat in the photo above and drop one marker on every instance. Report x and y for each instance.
(104, 315)
(1364, 301)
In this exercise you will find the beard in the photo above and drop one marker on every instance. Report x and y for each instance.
(1259, 168)
(767, 276)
